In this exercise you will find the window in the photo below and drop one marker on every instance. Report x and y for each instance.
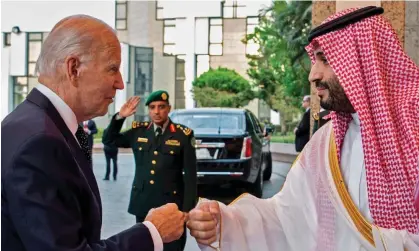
(34, 50)
(231, 9)
(256, 123)
(251, 47)
(20, 90)
(216, 36)
(202, 121)
(7, 39)
(159, 10)
(169, 36)
(143, 77)
(121, 13)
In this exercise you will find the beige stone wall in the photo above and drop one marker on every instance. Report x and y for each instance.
(394, 12)
(411, 33)
(234, 51)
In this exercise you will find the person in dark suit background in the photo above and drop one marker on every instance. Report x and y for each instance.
(302, 131)
(163, 151)
(89, 127)
(111, 153)
(50, 199)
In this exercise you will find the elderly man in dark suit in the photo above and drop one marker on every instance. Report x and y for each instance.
(49, 197)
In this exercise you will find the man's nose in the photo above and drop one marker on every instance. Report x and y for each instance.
(119, 83)
(315, 74)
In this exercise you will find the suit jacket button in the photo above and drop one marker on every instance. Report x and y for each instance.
(155, 152)
(174, 192)
(171, 152)
(153, 162)
(140, 148)
(152, 171)
(151, 182)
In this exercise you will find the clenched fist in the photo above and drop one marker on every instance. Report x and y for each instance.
(203, 221)
(168, 220)
(129, 107)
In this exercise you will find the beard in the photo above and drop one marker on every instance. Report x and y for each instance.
(337, 99)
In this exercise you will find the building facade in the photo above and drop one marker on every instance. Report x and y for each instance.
(165, 45)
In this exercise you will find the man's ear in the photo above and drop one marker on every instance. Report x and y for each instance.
(72, 64)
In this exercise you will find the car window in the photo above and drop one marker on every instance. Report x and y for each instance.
(256, 124)
(227, 121)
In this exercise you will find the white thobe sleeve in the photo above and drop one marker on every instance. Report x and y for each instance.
(277, 223)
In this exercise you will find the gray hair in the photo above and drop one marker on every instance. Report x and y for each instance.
(72, 35)
(307, 98)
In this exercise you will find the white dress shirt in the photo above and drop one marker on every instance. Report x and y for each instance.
(71, 121)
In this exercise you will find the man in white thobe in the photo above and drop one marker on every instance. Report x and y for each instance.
(352, 187)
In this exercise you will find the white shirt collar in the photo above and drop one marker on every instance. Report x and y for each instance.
(63, 109)
(356, 118)
(163, 127)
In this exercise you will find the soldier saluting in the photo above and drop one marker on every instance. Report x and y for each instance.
(163, 150)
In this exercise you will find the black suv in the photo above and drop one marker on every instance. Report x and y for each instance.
(231, 146)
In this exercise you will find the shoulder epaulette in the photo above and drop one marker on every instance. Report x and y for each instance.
(137, 124)
(184, 129)
(187, 131)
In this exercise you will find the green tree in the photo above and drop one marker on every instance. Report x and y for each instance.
(281, 67)
(222, 87)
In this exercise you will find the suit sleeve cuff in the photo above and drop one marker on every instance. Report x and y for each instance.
(158, 242)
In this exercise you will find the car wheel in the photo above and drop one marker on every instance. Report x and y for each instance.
(256, 188)
(268, 171)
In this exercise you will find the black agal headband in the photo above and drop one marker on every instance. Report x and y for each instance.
(344, 20)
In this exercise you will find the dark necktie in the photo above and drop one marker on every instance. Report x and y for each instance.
(158, 135)
(82, 138)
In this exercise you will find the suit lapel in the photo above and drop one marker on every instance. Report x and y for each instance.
(40, 100)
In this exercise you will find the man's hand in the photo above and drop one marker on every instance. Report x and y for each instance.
(168, 220)
(129, 107)
(203, 221)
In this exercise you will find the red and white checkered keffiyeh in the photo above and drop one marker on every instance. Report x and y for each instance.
(382, 84)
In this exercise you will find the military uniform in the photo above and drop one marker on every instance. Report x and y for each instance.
(159, 165)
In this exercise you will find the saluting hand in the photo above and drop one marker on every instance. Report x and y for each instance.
(129, 107)
(203, 221)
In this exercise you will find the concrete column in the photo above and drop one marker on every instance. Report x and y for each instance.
(190, 63)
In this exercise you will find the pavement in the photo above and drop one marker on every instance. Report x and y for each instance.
(115, 194)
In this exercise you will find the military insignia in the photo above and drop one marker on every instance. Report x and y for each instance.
(177, 126)
(145, 123)
(193, 142)
(135, 124)
(164, 96)
(187, 131)
(172, 142)
(172, 128)
(142, 140)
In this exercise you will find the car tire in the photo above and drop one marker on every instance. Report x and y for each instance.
(268, 171)
(256, 188)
